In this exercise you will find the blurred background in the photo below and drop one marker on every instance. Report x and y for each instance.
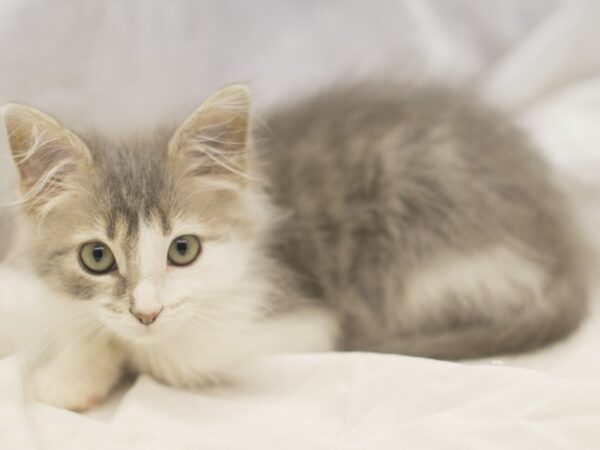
(124, 65)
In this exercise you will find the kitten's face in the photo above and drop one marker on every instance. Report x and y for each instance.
(152, 235)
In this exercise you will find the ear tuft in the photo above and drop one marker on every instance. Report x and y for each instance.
(214, 138)
(44, 152)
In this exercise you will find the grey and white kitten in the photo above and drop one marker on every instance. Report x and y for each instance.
(394, 219)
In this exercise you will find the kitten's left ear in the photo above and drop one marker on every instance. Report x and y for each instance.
(214, 138)
(45, 153)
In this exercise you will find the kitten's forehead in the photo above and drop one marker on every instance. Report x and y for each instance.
(132, 182)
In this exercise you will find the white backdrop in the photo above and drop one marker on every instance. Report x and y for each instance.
(124, 65)
(120, 65)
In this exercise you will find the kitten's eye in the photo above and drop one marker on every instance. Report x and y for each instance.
(184, 250)
(96, 258)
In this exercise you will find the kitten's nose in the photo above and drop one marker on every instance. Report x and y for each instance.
(146, 317)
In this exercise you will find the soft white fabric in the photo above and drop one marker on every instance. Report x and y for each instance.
(130, 63)
(334, 401)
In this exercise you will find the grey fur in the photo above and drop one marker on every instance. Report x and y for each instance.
(382, 180)
(132, 180)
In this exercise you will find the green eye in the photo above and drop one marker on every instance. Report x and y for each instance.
(96, 258)
(184, 250)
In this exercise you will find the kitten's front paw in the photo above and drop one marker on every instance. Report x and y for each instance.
(77, 390)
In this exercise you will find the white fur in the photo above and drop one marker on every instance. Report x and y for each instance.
(212, 310)
(87, 370)
(152, 267)
(57, 340)
(22, 309)
(213, 319)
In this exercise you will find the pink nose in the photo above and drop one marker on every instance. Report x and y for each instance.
(146, 317)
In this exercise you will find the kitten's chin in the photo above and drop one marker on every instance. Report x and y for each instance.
(144, 335)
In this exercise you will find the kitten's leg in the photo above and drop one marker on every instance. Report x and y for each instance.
(78, 377)
(495, 302)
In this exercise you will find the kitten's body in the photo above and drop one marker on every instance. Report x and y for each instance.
(426, 221)
(406, 220)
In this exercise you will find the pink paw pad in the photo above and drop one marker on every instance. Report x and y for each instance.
(93, 400)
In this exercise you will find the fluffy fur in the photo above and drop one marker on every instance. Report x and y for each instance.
(376, 218)
(426, 221)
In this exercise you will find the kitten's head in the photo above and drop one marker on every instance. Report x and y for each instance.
(151, 235)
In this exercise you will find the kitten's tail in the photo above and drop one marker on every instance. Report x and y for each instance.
(528, 330)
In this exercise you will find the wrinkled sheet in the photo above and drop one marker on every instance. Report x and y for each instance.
(130, 64)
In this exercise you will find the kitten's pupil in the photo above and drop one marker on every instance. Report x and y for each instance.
(182, 247)
(97, 253)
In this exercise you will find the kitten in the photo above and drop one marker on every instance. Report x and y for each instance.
(374, 218)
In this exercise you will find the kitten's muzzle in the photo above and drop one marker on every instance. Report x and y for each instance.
(146, 317)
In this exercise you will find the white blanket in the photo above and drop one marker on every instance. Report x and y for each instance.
(131, 63)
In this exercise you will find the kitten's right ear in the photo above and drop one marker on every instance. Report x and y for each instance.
(213, 140)
(44, 151)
